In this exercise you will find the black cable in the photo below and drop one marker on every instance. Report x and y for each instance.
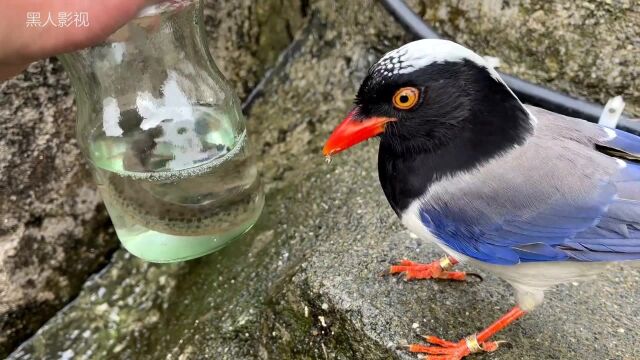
(527, 92)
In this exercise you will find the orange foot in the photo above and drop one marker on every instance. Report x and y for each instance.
(447, 350)
(438, 269)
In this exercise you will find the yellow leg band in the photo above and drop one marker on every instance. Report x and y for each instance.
(473, 344)
(445, 263)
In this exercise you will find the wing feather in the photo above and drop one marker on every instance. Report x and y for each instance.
(581, 203)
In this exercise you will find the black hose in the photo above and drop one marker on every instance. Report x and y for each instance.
(527, 92)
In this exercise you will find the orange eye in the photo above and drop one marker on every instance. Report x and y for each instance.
(406, 98)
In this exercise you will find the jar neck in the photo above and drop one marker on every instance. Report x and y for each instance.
(164, 43)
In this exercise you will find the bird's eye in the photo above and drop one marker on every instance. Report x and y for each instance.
(406, 98)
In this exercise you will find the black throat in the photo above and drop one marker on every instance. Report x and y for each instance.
(496, 123)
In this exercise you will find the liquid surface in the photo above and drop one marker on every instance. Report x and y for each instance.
(179, 189)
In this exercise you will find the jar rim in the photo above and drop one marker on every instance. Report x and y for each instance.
(163, 6)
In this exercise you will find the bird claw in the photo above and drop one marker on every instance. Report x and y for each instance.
(433, 270)
(474, 275)
(500, 342)
(440, 349)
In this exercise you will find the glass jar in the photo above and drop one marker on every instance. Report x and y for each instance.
(164, 133)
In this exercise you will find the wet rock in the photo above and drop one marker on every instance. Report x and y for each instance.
(585, 48)
(305, 282)
(246, 37)
(54, 231)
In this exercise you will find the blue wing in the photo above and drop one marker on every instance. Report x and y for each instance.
(602, 227)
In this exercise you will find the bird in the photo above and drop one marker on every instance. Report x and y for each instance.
(534, 197)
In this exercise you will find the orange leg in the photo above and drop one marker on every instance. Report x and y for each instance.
(438, 269)
(447, 350)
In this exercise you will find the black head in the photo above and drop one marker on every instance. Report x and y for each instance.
(438, 109)
(431, 93)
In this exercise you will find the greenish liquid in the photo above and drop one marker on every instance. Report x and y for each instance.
(178, 190)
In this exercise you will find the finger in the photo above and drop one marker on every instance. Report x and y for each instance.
(26, 43)
(8, 71)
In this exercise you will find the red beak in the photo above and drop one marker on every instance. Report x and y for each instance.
(353, 130)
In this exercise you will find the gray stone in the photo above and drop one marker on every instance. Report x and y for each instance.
(585, 48)
(247, 36)
(306, 282)
(54, 231)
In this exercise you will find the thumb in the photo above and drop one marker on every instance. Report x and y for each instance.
(34, 29)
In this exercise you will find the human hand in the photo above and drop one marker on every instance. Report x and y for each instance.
(21, 44)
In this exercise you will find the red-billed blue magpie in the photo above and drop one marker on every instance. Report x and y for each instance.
(532, 196)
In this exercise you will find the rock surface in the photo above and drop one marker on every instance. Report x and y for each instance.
(54, 231)
(584, 48)
(305, 282)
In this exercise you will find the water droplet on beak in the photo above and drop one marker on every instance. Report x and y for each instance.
(328, 159)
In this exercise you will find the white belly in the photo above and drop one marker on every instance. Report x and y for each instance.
(529, 279)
